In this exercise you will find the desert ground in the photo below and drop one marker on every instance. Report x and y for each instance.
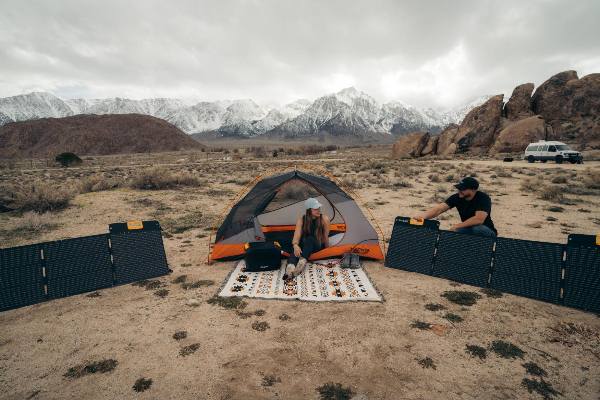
(415, 345)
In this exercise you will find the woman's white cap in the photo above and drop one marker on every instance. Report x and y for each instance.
(312, 203)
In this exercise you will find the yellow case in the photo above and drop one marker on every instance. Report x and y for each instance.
(133, 225)
(414, 221)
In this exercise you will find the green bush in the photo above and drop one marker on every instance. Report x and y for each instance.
(68, 159)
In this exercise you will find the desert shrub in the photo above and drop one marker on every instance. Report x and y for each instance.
(257, 151)
(159, 178)
(42, 197)
(98, 183)
(68, 159)
(334, 391)
(102, 367)
(559, 179)
(552, 193)
(142, 384)
(591, 179)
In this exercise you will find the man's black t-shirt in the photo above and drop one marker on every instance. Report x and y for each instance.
(467, 209)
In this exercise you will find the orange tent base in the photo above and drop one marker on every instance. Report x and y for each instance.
(372, 251)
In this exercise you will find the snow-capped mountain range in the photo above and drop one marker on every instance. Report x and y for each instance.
(347, 112)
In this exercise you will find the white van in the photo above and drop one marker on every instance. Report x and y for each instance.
(556, 151)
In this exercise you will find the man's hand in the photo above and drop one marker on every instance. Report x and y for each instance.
(297, 250)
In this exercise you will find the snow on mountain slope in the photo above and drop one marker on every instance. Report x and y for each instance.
(348, 111)
(34, 105)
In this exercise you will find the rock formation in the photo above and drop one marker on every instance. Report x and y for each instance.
(519, 104)
(563, 108)
(410, 145)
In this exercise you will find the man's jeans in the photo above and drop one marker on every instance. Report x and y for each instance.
(480, 230)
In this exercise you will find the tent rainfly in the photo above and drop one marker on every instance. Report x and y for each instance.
(270, 209)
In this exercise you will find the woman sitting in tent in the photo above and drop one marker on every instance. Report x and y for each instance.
(310, 236)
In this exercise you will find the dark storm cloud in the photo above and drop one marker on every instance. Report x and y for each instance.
(436, 53)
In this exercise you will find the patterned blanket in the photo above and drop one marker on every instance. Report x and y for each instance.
(320, 281)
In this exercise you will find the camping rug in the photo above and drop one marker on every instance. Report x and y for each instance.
(321, 281)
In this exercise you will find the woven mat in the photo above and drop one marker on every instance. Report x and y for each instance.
(320, 281)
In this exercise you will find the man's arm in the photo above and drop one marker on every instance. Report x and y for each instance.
(475, 220)
(434, 211)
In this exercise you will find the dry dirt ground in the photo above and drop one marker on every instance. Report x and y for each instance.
(375, 350)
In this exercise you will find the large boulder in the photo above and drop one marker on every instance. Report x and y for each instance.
(445, 143)
(431, 146)
(515, 137)
(551, 97)
(476, 132)
(572, 107)
(410, 145)
(519, 104)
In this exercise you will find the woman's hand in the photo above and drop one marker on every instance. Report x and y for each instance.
(297, 250)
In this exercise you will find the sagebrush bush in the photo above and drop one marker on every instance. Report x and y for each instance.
(31, 223)
(159, 178)
(98, 183)
(552, 194)
(591, 179)
(42, 197)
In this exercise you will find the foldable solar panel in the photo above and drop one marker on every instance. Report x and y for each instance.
(582, 273)
(412, 245)
(78, 265)
(138, 251)
(464, 258)
(21, 277)
(528, 268)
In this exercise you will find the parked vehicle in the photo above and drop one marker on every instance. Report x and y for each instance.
(554, 151)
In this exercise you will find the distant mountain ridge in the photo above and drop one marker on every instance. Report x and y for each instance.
(348, 112)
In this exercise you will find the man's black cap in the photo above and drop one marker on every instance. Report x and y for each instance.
(467, 183)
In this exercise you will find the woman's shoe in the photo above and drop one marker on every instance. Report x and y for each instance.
(289, 271)
(300, 267)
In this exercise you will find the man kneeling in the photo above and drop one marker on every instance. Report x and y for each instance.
(474, 208)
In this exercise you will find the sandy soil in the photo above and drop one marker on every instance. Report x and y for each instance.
(370, 348)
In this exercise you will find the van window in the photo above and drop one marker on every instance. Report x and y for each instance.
(552, 149)
(544, 148)
(534, 148)
(562, 147)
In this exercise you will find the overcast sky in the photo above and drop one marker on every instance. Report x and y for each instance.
(437, 54)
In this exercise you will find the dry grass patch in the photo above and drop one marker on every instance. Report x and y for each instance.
(188, 350)
(160, 178)
(334, 391)
(41, 197)
(101, 367)
(142, 384)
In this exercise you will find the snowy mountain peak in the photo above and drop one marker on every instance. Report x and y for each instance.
(346, 112)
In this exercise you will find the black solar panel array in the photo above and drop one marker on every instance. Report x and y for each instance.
(464, 258)
(411, 247)
(137, 254)
(582, 273)
(78, 265)
(31, 274)
(539, 270)
(527, 268)
(21, 277)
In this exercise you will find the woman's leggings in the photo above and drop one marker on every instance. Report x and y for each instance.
(309, 245)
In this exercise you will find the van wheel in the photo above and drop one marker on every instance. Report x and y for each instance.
(559, 159)
(530, 159)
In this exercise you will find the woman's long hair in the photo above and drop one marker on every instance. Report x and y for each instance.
(307, 221)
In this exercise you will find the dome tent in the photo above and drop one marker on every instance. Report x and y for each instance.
(270, 209)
